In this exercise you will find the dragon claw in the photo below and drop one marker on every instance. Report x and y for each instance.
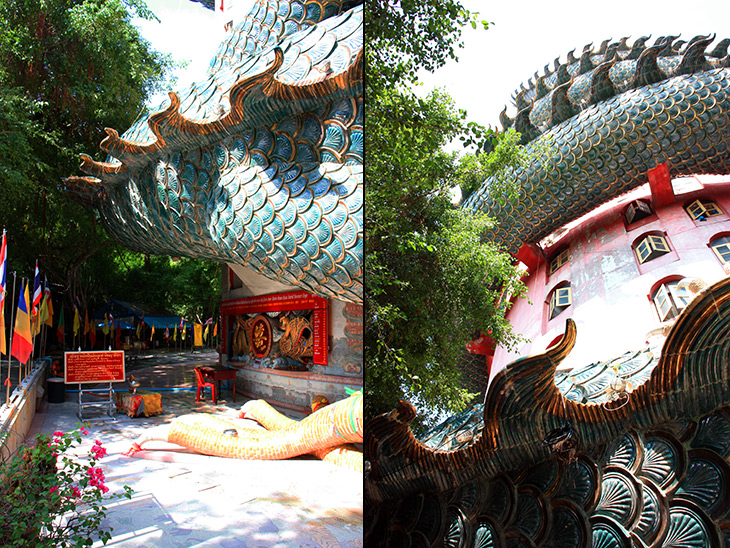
(132, 450)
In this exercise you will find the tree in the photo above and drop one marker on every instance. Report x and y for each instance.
(68, 69)
(430, 280)
(184, 286)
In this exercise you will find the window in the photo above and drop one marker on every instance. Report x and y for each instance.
(559, 260)
(700, 210)
(670, 299)
(650, 247)
(636, 211)
(560, 299)
(721, 247)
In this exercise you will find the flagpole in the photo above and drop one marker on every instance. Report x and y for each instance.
(43, 332)
(32, 345)
(10, 347)
(20, 365)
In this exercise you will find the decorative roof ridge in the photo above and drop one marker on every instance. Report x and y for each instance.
(174, 132)
(641, 68)
(524, 407)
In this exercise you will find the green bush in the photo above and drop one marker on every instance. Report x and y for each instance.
(48, 498)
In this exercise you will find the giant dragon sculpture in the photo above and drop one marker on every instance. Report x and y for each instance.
(610, 117)
(260, 164)
(533, 467)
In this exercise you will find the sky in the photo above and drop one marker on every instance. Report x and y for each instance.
(188, 31)
(529, 34)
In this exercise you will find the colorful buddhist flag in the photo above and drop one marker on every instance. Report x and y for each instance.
(77, 321)
(215, 330)
(167, 332)
(36, 290)
(174, 335)
(182, 333)
(205, 333)
(152, 333)
(105, 329)
(22, 339)
(39, 318)
(61, 327)
(3, 279)
(49, 305)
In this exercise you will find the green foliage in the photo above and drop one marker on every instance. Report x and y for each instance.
(48, 498)
(407, 35)
(431, 280)
(68, 69)
(186, 287)
(499, 165)
(84, 60)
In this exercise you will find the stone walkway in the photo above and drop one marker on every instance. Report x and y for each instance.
(183, 499)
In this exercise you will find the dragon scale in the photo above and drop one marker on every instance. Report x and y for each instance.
(259, 164)
(622, 124)
(534, 466)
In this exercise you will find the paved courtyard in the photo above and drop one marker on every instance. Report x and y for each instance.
(183, 499)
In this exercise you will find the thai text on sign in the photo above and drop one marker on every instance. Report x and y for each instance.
(88, 367)
(319, 326)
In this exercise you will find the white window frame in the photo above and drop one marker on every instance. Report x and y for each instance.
(560, 299)
(669, 300)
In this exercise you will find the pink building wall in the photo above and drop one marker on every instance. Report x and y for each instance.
(611, 290)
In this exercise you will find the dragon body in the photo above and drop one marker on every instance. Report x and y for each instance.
(328, 433)
(260, 164)
(539, 465)
(609, 118)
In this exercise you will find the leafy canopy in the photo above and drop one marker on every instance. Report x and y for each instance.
(432, 281)
(68, 69)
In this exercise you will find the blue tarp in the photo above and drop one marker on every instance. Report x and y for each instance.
(129, 315)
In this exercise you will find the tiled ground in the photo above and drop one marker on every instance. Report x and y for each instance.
(183, 499)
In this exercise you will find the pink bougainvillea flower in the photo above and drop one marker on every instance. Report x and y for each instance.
(98, 451)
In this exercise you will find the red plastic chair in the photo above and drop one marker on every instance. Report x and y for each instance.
(203, 384)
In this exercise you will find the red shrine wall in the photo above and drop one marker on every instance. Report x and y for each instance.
(265, 329)
(611, 290)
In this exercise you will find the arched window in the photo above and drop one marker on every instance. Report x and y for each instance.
(650, 247)
(670, 298)
(721, 247)
(701, 210)
(560, 299)
(559, 260)
(637, 210)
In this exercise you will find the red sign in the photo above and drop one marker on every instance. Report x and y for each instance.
(278, 302)
(87, 367)
(261, 338)
(319, 328)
